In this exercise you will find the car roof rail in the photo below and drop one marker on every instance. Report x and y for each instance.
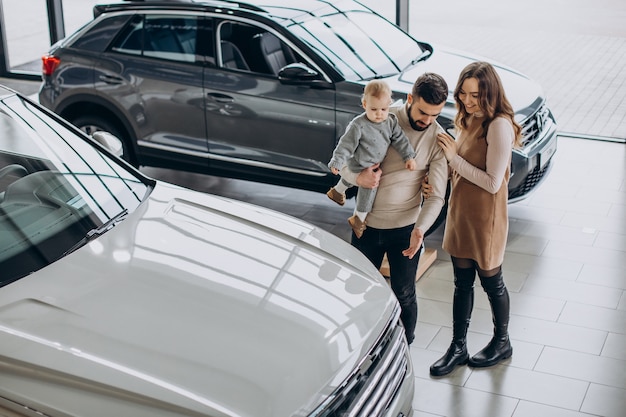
(230, 3)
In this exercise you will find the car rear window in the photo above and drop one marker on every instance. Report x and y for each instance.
(165, 37)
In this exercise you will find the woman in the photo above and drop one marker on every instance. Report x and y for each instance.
(477, 223)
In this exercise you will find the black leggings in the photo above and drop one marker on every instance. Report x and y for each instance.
(465, 263)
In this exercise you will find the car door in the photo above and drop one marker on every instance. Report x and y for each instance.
(256, 123)
(160, 84)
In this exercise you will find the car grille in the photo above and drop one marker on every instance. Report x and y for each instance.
(533, 126)
(369, 391)
(531, 181)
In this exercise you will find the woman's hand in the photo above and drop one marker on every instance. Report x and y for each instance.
(369, 177)
(448, 145)
(427, 189)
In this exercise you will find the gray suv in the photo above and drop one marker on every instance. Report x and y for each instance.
(258, 90)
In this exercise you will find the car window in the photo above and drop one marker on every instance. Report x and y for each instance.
(246, 47)
(173, 38)
(98, 37)
(55, 189)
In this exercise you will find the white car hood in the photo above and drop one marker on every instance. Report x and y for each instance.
(192, 305)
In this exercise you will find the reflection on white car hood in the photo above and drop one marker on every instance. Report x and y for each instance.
(193, 304)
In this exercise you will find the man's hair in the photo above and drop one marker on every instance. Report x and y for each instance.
(430, 87)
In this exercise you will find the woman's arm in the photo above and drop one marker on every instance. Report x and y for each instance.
(500, 137)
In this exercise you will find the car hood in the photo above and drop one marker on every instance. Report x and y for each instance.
(524, 94)
(195, 305)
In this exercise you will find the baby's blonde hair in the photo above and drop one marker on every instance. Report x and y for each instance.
(378, 89)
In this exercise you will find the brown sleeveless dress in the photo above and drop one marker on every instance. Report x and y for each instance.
(477, 223)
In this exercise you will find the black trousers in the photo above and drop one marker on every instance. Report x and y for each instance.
(374, 244)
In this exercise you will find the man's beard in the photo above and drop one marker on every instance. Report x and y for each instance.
(413, 123)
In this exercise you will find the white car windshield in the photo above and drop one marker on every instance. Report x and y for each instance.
(56, 189)
(359, 44)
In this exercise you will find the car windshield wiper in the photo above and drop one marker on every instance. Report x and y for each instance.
(421, 57)
(98, 231)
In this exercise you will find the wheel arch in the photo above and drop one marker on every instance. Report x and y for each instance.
(83, 105)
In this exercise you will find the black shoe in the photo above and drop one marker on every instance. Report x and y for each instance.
(455, 356)
(497, 350)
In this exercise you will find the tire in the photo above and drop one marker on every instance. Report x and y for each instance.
(90, 124)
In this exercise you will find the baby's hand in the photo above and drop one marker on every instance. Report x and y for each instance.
(334, 171)
(411, 165)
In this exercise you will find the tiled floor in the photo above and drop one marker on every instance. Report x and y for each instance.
(565, 268)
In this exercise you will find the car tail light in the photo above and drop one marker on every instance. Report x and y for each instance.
(50, 63)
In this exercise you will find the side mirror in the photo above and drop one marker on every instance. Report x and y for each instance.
(297, 72)
(301, 74)
(111, 142)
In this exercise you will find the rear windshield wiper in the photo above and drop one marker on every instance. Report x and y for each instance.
(98, 231)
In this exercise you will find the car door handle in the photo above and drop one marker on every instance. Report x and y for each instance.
(111, 79)
(221, 98)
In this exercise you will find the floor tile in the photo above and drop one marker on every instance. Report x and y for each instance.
(529, 264)
(451, 400)
(531, 386)
(530, 409)
(535, 306)
(553, 232)
(583, 367)
(605, 401)
(586, 254)
(609, 223)
(593, 317)
(607, 276)
(612, 241)
(572, 291)
(566, 336)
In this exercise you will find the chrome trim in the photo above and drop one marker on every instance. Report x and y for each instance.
(240, 161)
(375, 382)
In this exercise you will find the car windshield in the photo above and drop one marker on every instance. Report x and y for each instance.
(56, 189)
(359, 44)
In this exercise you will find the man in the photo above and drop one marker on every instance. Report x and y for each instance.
(398, 220)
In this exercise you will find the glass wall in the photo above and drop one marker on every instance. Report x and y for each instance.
(26, 27)
(26, 30)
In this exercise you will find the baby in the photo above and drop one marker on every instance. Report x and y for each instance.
(364, 144)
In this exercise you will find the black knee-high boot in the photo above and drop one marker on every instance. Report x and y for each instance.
(462, 305)
(499, 348)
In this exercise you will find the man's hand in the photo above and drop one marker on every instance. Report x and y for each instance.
(417, 237)
(369, 177)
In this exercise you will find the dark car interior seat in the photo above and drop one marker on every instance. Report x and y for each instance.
(275, 53)
(232, 56)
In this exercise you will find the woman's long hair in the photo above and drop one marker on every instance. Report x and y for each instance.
(491, 98)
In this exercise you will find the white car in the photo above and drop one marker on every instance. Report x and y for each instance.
(125, 296)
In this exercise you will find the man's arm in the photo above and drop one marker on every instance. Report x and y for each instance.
(438, 179)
